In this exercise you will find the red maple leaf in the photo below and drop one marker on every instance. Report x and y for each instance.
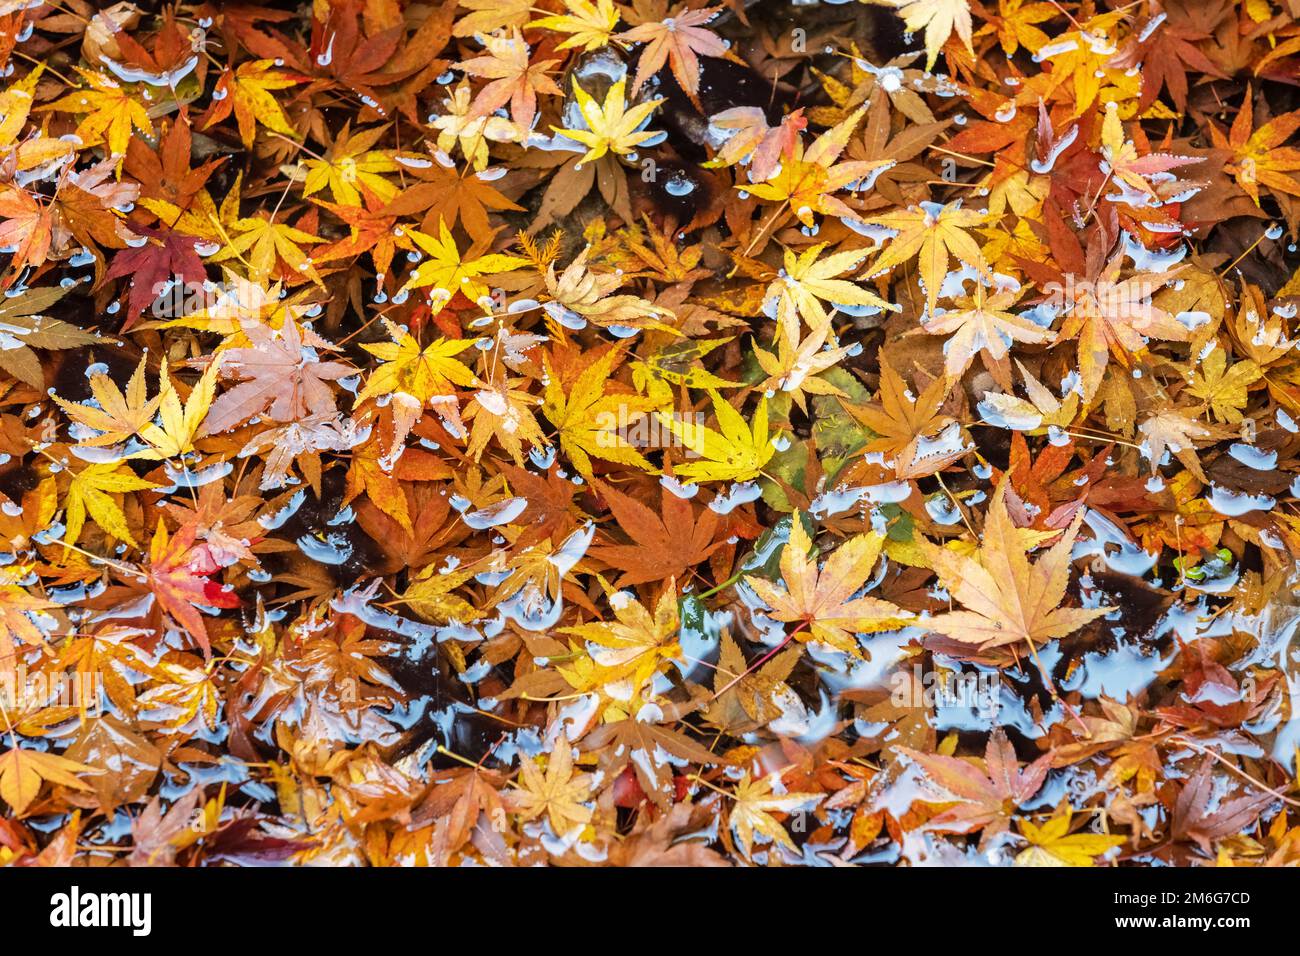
(165, 255)
(178, 576)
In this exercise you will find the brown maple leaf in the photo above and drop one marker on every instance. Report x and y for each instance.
(987, 792)
(1200, 817)
(665, 544)
(652, 750)
(460, 800)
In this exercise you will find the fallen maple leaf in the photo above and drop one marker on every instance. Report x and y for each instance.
(680, 40)
(247, 92)
(940, 19)
(177, 576)
(448, 273)
(737, 453)
(592, 423)
(664, 544)
(611, 126)
(754, 803)
(823, 600)
(1052, 843)
(934, 232)
(559, 794)
(90, 493)
(514, 79)
(23, 772)
(112, 112)
(1008, 599)
(282, 374)
(23, 328)
(987, 794)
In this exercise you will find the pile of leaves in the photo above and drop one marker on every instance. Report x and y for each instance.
(597, 433)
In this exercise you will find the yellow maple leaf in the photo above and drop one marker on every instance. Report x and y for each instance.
(737, 453)
(1223, 387)
(491, 15)
(590, 25)
(182, 697)
(1052, 843)
(1085, 58)
(430, 596)
(809, 278)
(448, 273)
(636, 643)
(261, 243)
(15, 106)
(560, 794)
(933, 232)
(674, 365)
(755, 802)
(939, 19)
(111, 112)
(350, 163)
(116, 415)
(421, 372)
(794, 369)
(90, 493)
(415, 376)
(1007, 599)
(1016, 25)
(591, 422)
(200, 218)
(611, 126)
(180, 423)
(24, 772)
(822, 601)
